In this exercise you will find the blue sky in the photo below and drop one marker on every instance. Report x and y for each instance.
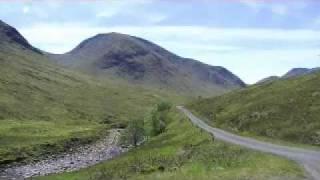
(252, 38)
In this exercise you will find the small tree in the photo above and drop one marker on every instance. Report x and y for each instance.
(134, 132)
(164, 106)
(156, 122)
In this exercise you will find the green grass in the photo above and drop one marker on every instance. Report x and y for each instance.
(44, 108)
(186, 152)
(27, 140)
(287, 110)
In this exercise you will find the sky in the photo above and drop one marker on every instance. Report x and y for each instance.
(252, 38)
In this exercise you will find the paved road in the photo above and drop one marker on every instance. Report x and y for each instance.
(308, 158)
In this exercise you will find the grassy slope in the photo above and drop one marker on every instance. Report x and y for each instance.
(286, 109)
(45, 108)
(185, 152)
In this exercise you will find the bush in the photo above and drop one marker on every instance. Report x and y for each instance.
(156, 121)
(134, 132)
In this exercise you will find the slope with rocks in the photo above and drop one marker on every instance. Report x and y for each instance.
(140, 61)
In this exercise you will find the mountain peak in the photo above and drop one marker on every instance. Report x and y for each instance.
(114, 34)
(141, 61)
(10, 35)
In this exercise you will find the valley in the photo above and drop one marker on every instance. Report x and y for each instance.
(113, 108)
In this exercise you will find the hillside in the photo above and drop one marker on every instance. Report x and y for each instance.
(139, 61)
(184, 152)
(285, 109)
(295, 72)
(45, 108)
(268, 79)
(299, 72)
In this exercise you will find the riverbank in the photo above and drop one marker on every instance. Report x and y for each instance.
(83, 157)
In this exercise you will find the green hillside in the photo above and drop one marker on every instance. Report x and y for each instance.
(285, 109)
(184, 152)
(45, 108)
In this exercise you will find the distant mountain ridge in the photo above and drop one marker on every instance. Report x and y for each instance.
(299, 71)
(292, 73)
(140, 61)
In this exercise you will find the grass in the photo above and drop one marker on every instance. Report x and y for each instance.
(285, 110)
(27, 140)
(44, 108)
(186, 152)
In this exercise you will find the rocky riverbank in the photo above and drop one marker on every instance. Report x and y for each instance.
(83, 157)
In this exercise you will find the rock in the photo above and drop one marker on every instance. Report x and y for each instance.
(79, 158)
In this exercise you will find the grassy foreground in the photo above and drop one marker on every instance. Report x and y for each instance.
(186, 152)
(287, 110)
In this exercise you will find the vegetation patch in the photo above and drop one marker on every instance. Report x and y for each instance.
(45, 108)
(286, 109)
(183, 151)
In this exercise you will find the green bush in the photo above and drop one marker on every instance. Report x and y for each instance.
(157, 119)
(134, 132)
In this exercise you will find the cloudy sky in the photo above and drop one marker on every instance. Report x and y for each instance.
(252, 38)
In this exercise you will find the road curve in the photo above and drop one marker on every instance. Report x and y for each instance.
(308, 158)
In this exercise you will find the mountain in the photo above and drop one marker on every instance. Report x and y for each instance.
(287, 109)
(46, 108)
(295, 72)
(10, 35)
(142, 62)
(268, 79)
(299, 72)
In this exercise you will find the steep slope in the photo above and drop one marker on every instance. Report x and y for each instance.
(285, 109)
(140, 61)
(10, 35)
(45, 108)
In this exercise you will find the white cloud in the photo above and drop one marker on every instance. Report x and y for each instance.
(64, 33)
(256, 6)
(210, 45)
(105, 14)
(253, 65)
(155, 18)
(26, 10)
(279, 9)
(107, 9)
(316, 22)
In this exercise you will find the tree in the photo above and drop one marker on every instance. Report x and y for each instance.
(134, 132)
(156, 122)
(164, 106)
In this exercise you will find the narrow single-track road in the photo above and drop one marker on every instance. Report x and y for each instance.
(308, 158)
